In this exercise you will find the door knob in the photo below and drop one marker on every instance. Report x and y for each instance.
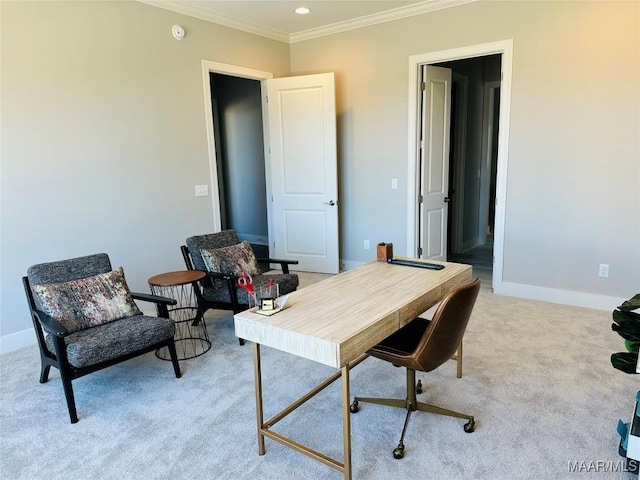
(331, 203)
(447, 199)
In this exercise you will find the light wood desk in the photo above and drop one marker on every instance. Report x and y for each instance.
(335, 322)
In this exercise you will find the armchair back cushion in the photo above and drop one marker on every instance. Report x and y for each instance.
(87, 302)
(231, 260)
(197, 243)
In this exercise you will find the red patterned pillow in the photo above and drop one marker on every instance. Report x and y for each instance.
(87, 302)
(232, 260)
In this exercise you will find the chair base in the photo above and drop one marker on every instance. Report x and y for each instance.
(411, 404)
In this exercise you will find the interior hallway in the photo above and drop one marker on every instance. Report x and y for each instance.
(481, 258)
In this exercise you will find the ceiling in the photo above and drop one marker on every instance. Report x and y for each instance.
(277, 20)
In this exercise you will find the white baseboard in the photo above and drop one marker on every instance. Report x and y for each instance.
(14, 341)
(257, 239)
(563, 297)
(350, 264)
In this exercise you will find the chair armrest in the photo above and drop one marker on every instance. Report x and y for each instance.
(284, 264)
(147, 297)
(50, 324)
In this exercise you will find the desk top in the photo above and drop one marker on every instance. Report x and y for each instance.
(335, 320)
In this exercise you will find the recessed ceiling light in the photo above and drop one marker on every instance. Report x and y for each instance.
(302, 10)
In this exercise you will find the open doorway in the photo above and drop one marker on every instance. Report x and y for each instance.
(237, 121)
(476, 174)
(473, 160)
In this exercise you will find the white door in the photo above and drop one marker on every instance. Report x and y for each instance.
(434, 161)
(301, 138)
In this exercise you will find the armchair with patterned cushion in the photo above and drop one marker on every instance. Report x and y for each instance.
(223, 257)
(86, 319)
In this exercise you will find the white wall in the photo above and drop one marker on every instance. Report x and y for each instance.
(572, 199)
(103, 137)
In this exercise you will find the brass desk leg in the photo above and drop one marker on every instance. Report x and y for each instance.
(346, 422)
(258, 381)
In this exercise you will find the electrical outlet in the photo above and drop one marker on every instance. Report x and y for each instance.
(202, 190)
(366, 244)
(604, 271)
(394, 183)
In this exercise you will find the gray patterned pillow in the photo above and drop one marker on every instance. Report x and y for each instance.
(232, 260)
(87, 302)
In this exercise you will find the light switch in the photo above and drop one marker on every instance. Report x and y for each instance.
(202, 190)
(394, 183)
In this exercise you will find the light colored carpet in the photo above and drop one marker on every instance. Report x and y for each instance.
(536, 376)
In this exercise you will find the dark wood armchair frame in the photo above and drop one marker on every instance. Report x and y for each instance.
(44, 323)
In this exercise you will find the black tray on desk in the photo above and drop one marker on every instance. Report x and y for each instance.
(415, 263)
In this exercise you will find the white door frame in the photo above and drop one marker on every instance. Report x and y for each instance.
(488, 115)
(208, 67)
(505, 48)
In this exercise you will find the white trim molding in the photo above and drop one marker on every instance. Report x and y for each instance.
(563, 297)
(505, 48)
(376, 18)
(208, 67)
(189, 9)
(14, 341)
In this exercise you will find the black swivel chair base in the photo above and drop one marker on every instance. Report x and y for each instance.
(411, 404)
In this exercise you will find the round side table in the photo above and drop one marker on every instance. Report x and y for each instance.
(191, 337)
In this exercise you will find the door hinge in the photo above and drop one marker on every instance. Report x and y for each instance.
(421, 144)
(267, 98)
(423, 86)
(419, 252)
(420, 198)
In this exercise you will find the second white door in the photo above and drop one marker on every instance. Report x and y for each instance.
(301, 143)
(434, 161)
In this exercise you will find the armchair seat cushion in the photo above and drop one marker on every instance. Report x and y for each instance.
(114, 339)
(287, 283)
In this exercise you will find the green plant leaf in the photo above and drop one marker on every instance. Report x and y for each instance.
(632, 304)
(624, 361)
(626, 335)
(628, 321)
(632, 347)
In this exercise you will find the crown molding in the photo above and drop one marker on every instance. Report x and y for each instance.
(427, 6)
(204, 14)
(376, 18)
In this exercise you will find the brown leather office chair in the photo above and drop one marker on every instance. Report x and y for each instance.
(424, 345)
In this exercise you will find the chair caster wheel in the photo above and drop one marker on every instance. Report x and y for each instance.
(470, 426)
(419, 387)
(398, 452)
(354, 408)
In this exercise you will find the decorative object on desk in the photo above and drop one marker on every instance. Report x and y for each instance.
(245, 281)
(220, 290)
(385, 252)
(265, 298)
(415, 263)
